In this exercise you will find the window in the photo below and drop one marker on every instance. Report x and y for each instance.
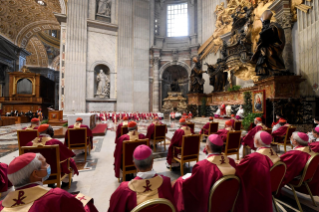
(177, 20)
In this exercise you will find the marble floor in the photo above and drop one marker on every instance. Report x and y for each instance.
(97, 178)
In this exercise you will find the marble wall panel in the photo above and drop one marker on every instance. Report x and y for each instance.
(101, 106)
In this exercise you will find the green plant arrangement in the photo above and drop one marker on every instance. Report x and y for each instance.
(250, 119)
(65, 125)
(203, 106)
(44, 121)
(234, 88)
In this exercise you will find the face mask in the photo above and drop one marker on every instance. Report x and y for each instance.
(48, 174)
(291, 142)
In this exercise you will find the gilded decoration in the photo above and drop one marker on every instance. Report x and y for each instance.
(38, 57)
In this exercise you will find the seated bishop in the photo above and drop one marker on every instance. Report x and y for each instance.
(177, 140)
(314, 145)
(193, 192)
(280, 130)
(132, 135)
(119, 128)
(45, 138)
(34, 124)
(296, 160)
(240, 113)
(5, 184)
(224, 132)
(78, 124)
(257, 189)
(151, 128)
(145, 186)
(205, 128)
(233, 120)
(27, 172)
(248, 139)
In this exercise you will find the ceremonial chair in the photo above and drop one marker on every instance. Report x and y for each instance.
(155, 205)
(189, 151)
(77, 139)
(25, 136)
(233, 143)
(237, 125)
(128, 166)
(286, 138)
(223, 194)
(277, 174)
(124, 130)
(307, 175)
(159, 135)
(52, 155)
(191, 125)
(213, 128)
(268, 130)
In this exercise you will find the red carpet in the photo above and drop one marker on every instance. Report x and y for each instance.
(100, 130)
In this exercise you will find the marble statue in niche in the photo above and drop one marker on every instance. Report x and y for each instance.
(103, 85)
(104, 7)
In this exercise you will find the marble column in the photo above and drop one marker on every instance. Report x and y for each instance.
(155, 85)
(284, 18)
(76, 54)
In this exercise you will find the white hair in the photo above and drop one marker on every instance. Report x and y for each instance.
(260, 142)
(22, 176)
(144, 164)
(296, 137)
(257, 121)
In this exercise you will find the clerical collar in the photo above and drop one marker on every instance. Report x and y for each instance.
(146, 175)
(262, 147)
(299, 146)
(214, 153)
(29, 185)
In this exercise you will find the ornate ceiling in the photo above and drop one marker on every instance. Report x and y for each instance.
(20, 19)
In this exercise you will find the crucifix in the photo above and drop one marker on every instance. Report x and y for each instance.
(229, 72)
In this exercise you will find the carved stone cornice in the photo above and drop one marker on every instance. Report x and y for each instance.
(282, 13)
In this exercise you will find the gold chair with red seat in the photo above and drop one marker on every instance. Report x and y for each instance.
(155, 205)
(213, 128)
(286, 138)
(277, 174)
(237, 125)
(223, 194)
(232, 145)
(191, 125)
(268, 130)
(159, 135)
(77, 139)
(124, 130)
(307, 175)
(189, 151)
(25, 136)
(52, 156)
(128, 166)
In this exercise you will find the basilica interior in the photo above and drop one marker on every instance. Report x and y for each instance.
(113, 67)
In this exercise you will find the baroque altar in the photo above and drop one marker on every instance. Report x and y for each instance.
(174, 102)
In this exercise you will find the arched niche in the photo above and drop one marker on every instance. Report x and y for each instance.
(24, 86)
(102, 82)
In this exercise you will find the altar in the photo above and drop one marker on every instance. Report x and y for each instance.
(88, 119)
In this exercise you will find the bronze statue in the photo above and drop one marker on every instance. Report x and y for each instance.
(175, 86)
(268, 56)
(218, 78)
(197, 81)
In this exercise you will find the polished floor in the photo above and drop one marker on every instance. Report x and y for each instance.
(97, 178)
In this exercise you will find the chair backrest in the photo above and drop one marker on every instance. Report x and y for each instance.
(77, 137)
(128, 150)
(268, 130)
(160, 131)
(237, 125)
(213, 128)
(52, 155)
(289, 132)
(277, 173)
(223, 194)
(233, 141)
(25, 136)
(124, 130)
(191, 125)
(311, 167)
(155, 205)
(190, 145)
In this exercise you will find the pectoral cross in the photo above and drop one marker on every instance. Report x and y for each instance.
(309, 149)
(19, 200)
(148, 186)
(271, 152)
(222, 161)
(81, 198)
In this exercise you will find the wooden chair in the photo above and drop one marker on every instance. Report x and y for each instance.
(124, 130)
(189, 150)
(77, 139)
(237, 125)
(307, 175)
(268, 130)
(224, 194)
(159, 135)
(155, 205)
(25, 136)
(233, 143)
(286, 137)
(52, 156)
(128, 148)
(277, 174)
(191, 125)
(213, 128)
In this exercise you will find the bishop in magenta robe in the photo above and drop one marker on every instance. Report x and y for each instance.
(146, 186)
(280, 130)
(34, 124)
(192, 193)
(131, 135)
(248, 139)
(5, 184)
(257, 189)
(205, 128)
(177, 139)
(119, 128)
